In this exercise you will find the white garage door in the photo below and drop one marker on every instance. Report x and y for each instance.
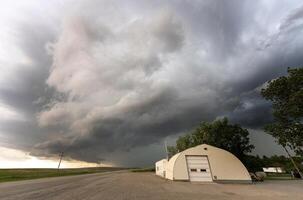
(198, 169)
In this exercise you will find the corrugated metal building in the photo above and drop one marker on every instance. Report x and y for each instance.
(203, 163)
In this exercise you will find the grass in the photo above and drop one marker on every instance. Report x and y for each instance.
(279, 178)
(283, 176)
(25, 174)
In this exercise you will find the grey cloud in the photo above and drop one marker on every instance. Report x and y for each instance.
(252, 111)
(292, 18)
(26, 85)
(121, 77)
(218, 26)
(169, 31)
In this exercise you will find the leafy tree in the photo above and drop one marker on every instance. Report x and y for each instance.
(286, 95)
(219, 133)
(171, 151)
(281, 161)
(256, 163)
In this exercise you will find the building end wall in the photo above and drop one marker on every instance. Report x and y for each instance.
(160, 168)
(225, 167)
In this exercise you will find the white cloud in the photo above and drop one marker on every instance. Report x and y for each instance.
(8, 113)
(13, 158)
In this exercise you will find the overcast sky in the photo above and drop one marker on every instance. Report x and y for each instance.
(111, 80)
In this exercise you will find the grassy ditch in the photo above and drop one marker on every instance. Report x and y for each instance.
(25, 174)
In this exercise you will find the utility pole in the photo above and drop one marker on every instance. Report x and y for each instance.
(61, 155)
(166, 150)
(293, 162)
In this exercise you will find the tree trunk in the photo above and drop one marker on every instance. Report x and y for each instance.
(293, 162)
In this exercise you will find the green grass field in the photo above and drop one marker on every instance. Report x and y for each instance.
(284, 176)
(25, 174)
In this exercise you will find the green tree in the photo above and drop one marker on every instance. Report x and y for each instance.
(286, 95)
(219, 133)
(256, 163)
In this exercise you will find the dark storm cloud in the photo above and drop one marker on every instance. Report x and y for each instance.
(27, 84)
(139, 125)
(118, 78)
(218, 24)
(26, 91)
(253, 111)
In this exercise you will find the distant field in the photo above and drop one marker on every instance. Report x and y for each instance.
(148, 169)
(283, 176)
(25, 174)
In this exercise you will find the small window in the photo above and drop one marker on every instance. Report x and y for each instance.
(193, 170)
(157, 168)
(203, 170)
(205, 148)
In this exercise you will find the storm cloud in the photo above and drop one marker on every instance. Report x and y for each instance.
(103, 80)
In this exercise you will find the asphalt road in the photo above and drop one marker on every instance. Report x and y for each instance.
(128, 185)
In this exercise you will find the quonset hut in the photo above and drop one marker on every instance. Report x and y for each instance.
(203, 163)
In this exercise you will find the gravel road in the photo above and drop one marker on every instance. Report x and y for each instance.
(128, 185)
